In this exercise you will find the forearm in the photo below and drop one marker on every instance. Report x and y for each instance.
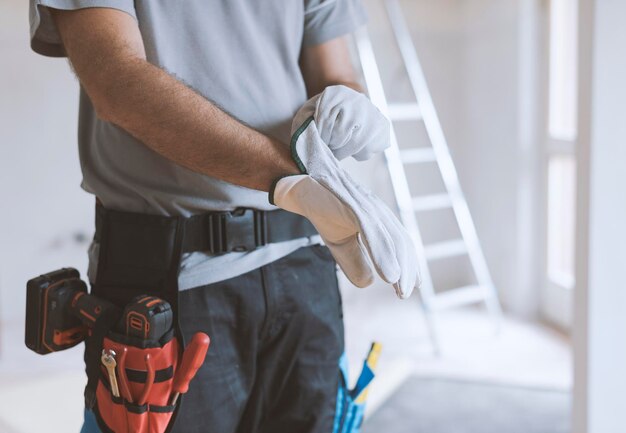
(108, 56)
(184, 127)
(328, 64)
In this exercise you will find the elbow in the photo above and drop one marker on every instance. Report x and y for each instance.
(114, 93)
(109, 92)
(117, 88)
(103, 106)
(103, 113)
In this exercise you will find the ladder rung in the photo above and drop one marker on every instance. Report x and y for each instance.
(404, 111)
(431, 202)
(420, 154)
(460, 296)
(445, 249)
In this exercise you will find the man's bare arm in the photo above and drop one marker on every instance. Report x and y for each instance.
(328, 64)
(108, 56)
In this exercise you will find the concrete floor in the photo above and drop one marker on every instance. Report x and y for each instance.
(521, 353)
(44, 393)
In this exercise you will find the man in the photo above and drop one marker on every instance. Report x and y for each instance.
(188, 108)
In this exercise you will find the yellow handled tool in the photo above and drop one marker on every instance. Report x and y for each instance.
(372, 362)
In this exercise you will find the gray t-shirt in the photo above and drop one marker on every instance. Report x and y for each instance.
(242, 55)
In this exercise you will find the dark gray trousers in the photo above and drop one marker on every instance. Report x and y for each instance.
(276, 338)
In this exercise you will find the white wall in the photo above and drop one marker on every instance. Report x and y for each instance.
(43, 208)
(600, 322)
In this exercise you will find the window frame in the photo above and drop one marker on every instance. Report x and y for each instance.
(558, 293)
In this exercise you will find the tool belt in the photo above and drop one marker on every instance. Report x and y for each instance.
(140, 254)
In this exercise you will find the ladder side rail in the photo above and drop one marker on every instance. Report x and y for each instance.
(438, 141)
(400, 186)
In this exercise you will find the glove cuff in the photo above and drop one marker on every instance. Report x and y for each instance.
(294, 155)
(273, 187)
(294, 142)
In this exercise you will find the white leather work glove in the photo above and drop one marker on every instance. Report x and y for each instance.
(360, 231)
(347, 122)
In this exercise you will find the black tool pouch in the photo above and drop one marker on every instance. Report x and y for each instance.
(139, 254)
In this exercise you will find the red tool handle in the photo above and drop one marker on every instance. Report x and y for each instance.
(149, 380)
(121, 373)
(193, 357)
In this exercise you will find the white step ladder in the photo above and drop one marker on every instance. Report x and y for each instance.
(438, 153)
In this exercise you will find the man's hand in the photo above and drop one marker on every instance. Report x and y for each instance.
(347, 122)
(106, 51)
(360, 231)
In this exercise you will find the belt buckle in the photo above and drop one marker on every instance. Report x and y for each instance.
(240, 230)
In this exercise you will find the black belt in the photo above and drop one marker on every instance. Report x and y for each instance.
(218, 232)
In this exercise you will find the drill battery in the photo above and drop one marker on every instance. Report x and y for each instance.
(49, 328)
(146, 317)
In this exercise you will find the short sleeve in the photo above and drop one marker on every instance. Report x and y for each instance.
(44, 37)
(328, 19)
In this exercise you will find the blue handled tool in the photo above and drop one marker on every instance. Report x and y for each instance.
(351, 403)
